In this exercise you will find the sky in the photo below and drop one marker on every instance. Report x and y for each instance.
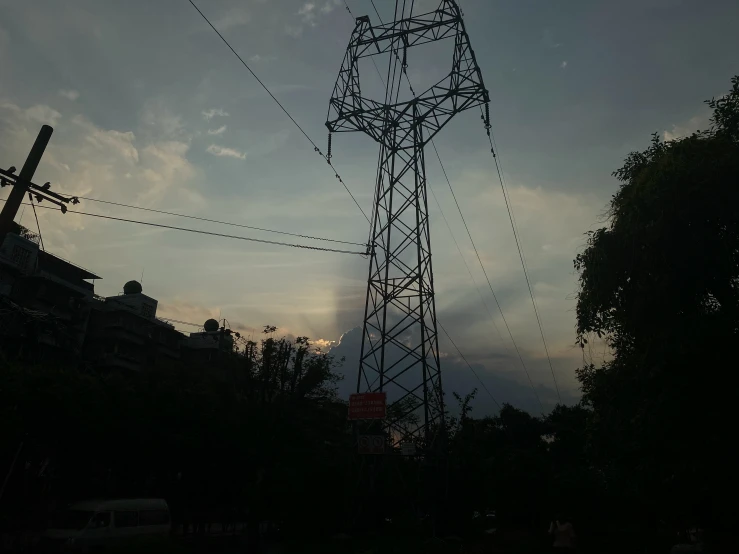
(150, 108)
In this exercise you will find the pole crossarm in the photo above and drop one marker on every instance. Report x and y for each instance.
(40, 192)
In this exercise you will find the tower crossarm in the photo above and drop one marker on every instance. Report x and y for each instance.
(461, 89)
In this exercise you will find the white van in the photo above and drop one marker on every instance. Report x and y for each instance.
(98, 524)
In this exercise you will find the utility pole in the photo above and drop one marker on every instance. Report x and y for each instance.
(22, 184)
(400, 352)
(10, 209)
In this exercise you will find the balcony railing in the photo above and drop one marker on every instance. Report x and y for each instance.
(29, 235)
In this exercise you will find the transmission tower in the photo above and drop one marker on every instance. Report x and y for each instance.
(400, 352)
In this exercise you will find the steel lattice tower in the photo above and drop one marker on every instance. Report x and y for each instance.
(400, 352)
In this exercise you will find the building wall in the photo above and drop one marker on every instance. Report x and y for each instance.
(48, 308)
(43, 302)
(117, 336)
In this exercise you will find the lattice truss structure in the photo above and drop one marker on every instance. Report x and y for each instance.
(400, 353)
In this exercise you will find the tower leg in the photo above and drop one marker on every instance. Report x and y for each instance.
(400, 353)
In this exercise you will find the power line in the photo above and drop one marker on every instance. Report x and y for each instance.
(468, 364)
(374, 63)
(315, 146)
(216, 221)
(372, 58)
(219, 234)
(38, 226)
(172, 227)
(395, 52)
(378, 13)
(459, 249)
(199, 325)
(169, 319)
(479, 259)
(509, 208)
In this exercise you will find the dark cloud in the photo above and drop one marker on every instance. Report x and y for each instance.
(456, 377)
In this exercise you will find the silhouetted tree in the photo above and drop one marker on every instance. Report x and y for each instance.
(660, 284)
(262, 434)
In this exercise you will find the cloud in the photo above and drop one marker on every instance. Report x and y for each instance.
(686, 129)
(219, 131)
(323, 344)
(165, 166)
(329, 6)
(160, 121)
(548, 41)
(563, 65)
(310, 10)
(116, 143)
(214, 112)
(40, 113)
(257, 58)
(457, 377)
(224, 151)
(69, 94)
(551, 226)
(235, 17)
(43, 114)
(309, 14)
(113, 164)
(288, 88)
(294, 31)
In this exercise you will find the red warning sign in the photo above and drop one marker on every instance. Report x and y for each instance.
(367, 405)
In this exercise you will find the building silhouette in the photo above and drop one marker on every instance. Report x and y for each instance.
(44, 300)
(49, 310)
(124, 332)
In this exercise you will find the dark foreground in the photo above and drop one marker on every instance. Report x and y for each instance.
(238, 541)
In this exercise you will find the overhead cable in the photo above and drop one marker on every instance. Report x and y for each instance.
(464, 260)
(315, 146)
(378, 13)
(215, 221)
(479, 259)
(219, 234)
(509, 208)
(172, 227)
(170, 320)
(468, 365)
(38, 226)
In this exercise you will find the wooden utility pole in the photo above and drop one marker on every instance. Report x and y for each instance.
(10, 210)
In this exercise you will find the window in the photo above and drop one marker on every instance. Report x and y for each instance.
(153, 517)
(100, 520)
(20, 256)
(71, 519)
(147, 310)
(126, 519)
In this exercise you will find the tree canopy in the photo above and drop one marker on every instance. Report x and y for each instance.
(209, 438)
(660, 283)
